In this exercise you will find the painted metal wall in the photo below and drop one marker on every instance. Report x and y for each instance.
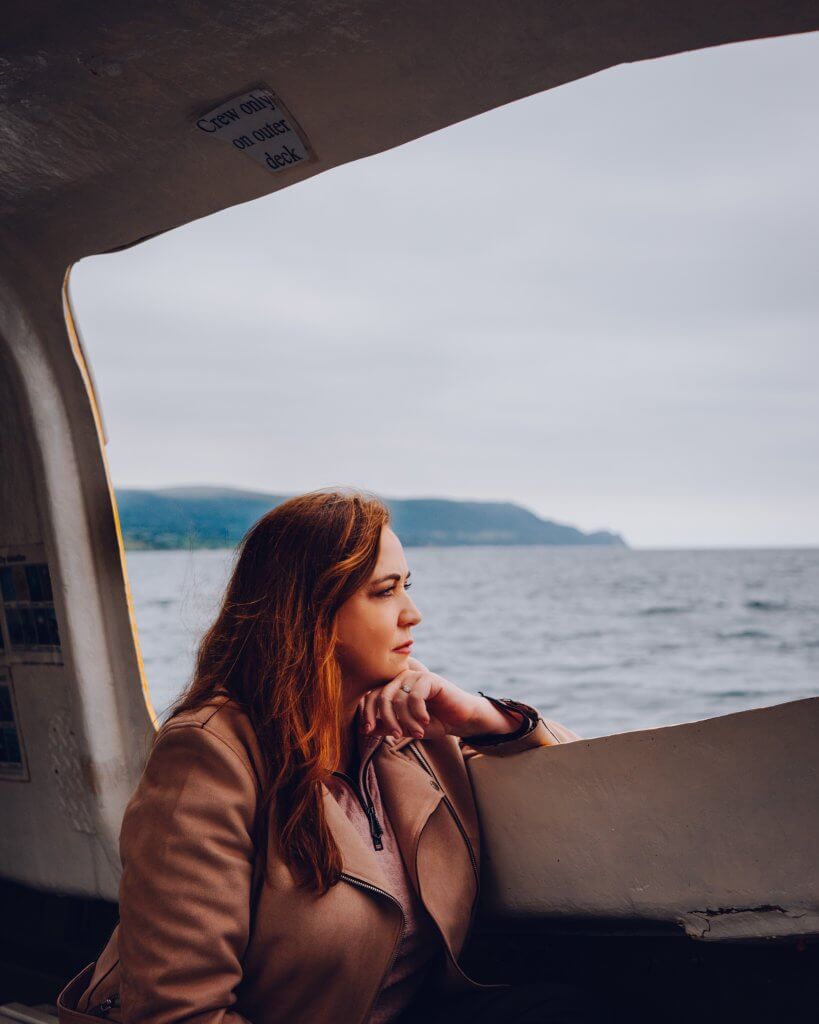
(76, 725)
(711, 826)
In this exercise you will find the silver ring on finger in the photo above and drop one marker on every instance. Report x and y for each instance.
(405, 688)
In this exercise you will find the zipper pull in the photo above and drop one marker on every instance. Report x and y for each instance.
(105, 1006)
(376, 831)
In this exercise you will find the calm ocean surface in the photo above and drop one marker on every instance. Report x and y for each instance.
(601, 639)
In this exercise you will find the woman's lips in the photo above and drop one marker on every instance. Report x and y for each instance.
(405, 649)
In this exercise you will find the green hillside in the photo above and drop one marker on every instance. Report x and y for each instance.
(210, 517)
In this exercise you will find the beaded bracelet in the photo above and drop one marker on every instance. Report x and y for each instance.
(490, 739)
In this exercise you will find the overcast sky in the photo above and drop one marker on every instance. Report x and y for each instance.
(600, 303)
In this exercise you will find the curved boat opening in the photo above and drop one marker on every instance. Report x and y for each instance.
(593, 320)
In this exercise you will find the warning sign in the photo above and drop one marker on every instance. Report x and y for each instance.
(29, 630)
(256, 123)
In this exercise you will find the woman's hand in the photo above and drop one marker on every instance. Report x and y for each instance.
(433, 707)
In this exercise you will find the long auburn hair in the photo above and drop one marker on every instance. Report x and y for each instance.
(272, 647)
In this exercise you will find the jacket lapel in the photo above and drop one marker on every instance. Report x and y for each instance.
(409, 797)
(357, 858)
(436, 853)
(433, 847)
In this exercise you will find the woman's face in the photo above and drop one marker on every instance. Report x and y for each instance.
(375, 621)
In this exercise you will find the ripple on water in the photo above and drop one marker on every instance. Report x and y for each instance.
(741, 694)
(745, 634)
(767, 606)
(665, 609)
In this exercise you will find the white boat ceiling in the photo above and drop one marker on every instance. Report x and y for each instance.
(99, 149)
(99, 100)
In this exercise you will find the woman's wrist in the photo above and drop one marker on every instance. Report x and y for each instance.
(488, 719)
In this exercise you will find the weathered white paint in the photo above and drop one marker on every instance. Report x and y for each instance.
(712, 826)
(85, 723)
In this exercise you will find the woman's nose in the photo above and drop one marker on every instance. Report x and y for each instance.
(410, 616)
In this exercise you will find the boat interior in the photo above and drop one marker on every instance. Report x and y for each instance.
(674, 868)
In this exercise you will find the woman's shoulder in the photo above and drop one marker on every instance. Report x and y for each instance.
(224, 724)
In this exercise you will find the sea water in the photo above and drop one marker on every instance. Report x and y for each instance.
(602, 639)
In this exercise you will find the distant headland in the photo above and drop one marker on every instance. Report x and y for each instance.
(218, 517)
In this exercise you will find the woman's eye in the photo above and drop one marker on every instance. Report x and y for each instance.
(389, 590)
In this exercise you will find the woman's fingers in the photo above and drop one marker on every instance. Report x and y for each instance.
(415, 713)
(388, 717)
(411, 708)
(408, 714)
(418, 708)
(389, 709)
(369, 716)
(376, 719)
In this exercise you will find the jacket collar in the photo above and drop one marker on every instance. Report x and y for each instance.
(408, 797)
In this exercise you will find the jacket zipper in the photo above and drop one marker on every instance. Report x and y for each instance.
(381, 892)
(376, 831)
(104, 1007)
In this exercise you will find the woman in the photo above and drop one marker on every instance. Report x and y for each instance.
(303, 844)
